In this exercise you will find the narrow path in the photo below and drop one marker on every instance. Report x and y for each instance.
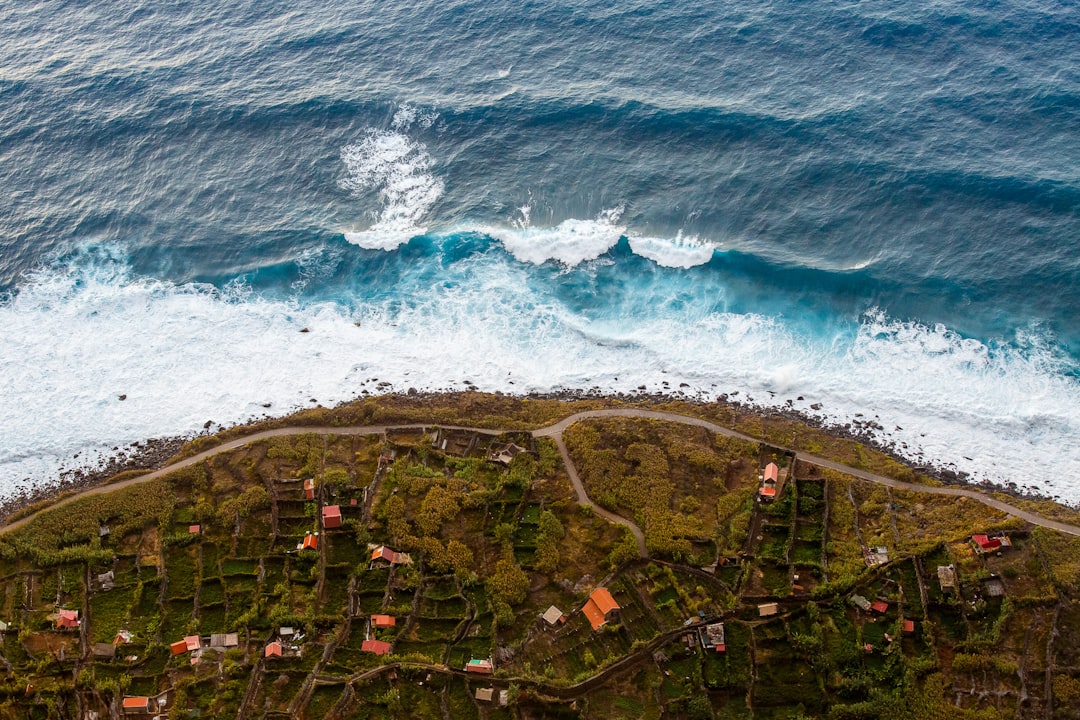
(555, 432)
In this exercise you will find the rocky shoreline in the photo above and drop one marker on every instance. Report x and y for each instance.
(154, 453)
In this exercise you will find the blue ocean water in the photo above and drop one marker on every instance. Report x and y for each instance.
(864, 208)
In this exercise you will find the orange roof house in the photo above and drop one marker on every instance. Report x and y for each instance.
(482, 667)
(376, 646)
(309, 488)
(136, 704)
(192, 642)
(67, 619)
(772, 472)
(600, 608)
(385, 554)
(331, 516)
(383, 621)
(273, 650)
(179, 647)
(311, 542)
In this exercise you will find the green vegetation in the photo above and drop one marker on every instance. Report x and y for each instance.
(478, 551)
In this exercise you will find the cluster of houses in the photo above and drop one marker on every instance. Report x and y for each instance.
(195, 645)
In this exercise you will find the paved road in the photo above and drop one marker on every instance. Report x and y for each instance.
(555, 432)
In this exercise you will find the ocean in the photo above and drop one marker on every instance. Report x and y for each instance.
(853, 209)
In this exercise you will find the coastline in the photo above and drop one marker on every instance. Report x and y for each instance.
(154, 453)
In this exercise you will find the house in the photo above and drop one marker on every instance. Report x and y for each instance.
(880, 607)
(946, 577)
(712, 637)
(986, 543)
(192, 642)
(909, 627)
(383, 554)
(223, 641)
(106, 580)
(768, 482)
(860, 602)
(383, 621)
(310, 542)
(194, 529)
(768, 609)
(600, 608)
(876, 556)
(286, 632)
(133, 705)
(485, 694)
(104, 651)
(554, 616)
(309, 489)
(481, 667)
(67, 619)
(178, 648)
(331, 516)
(504, 452)
(273, 650)
(376, 646)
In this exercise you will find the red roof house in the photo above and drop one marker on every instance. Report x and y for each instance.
(67, 619)
(986, 544)
(383, 621)
(192, 642)
(311, 542)
(136, 704)
(273, 650)
(772, 472)
(385, 554)
(194, 529)
(483, 667)
(309, 488)
(599, 608)
(376, 646)
(880, 607)
(909, 627)
(331, 516)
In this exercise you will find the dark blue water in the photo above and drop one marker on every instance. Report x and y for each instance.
(872, 206)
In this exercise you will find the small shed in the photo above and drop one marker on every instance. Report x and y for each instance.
(67, 619)
(104, 651)
(880, 607)
(860, 602)
(485, 694)
(331, 515)
(383, 621)
(310, 542)
(768, 609)
(135, 704)
(193, 642)
(272, 650)
(194, 529)
(909, 627)
(178, 648)
(554, 616)
(480, 667)
(946, 577)
(309, 488)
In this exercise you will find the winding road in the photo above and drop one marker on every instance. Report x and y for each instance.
(555, 432)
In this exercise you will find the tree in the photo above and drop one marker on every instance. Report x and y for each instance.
(509, 583)
(547, 542)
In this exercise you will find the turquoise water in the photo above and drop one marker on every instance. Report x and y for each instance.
(873, 207)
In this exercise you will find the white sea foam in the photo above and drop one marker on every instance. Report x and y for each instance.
(571, 242)
(682, 251)
(76, 338)
(399, 167)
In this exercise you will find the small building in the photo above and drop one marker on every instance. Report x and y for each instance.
(273, 650)
(947, 577)
(989, 543)
(712, 637)
(104, 651)
(178, 648)
(880, 607)
(554, 616)
(309, 489)
(331, 516)
(383, 554)
(286, 632)
(768, 609)
(224, 641)
(504, 452)
(876, 556)
(132, 705)
(67, 619)
(376, 646)
(194, 529)
(600, 608)
(106, 580)
(4, 626)
(310, 542)
(193, 642)
(860, 602)
(383, 621)
(480, 667)
(909, 627)
(485, 694)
